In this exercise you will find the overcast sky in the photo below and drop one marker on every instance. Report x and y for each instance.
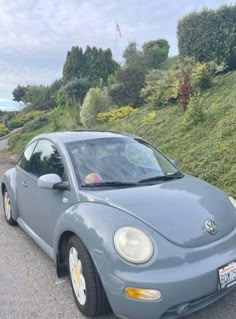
(35, 35)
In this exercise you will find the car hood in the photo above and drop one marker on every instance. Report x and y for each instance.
(176, 209)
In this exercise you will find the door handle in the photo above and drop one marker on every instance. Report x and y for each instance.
(25, 184)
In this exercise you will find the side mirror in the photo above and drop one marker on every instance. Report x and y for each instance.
(173, 161)
(52, 181)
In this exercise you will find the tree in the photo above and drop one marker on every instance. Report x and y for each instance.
(74, 64)
(93, 63)
(155, 52)
(95, 102)
(19, 93)
(38, 96)
(133, 56)
(129, 82)
(76, 89)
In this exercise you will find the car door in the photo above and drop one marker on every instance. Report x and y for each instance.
(44, 205)
(23, 180)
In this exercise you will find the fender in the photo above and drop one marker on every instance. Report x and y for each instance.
(95, 224)
(9, 180)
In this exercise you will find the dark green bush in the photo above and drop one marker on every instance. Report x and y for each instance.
(15, 123)
(209, 35)
(128, 83)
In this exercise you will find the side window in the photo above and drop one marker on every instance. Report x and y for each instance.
(24, 161)
(46, 160)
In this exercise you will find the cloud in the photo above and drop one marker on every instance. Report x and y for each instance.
(35, 35)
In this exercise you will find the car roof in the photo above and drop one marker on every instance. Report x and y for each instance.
(72, 136)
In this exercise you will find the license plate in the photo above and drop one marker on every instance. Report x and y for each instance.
(227, 275)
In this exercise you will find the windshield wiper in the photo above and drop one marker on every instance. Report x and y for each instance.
(161, 178)
(110, 184)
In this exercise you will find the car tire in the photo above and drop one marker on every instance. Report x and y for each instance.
(7, 208)
(86, 285)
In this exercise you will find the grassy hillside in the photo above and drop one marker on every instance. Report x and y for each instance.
(207, 150)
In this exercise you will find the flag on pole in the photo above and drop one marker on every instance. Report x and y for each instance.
(118, 29)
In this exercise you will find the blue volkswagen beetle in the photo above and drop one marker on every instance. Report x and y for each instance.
(133, 232)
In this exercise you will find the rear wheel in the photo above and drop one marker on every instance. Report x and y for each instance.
(86, 285)
(7, 208)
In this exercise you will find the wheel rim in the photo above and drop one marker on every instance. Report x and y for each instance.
(7, 206)
(77, 277)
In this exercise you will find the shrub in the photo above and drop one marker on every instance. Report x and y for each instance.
(115, 114)
(209, 35)
(126, 89)
(96, 101)
(194, 113)
(8, 117)
(73, 109)
(3, 130)
(185, 88)
(160, 88)
(55, 118)
(216, 69)
(15, 123)
(201, 76)
(35, 124)
(172, 63)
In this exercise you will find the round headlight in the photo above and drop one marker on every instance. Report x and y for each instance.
(133, 244)
(233, 201)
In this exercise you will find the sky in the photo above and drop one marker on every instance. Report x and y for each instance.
(35, 35)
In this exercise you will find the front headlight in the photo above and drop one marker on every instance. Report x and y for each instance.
(233, 201)
(133, 244)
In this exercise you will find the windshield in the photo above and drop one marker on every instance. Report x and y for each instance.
(121, 160)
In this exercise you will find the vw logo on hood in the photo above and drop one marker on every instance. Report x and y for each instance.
(210, 226)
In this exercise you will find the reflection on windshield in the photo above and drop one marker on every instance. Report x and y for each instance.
(119, 159)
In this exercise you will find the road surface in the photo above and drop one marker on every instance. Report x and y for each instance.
(4, 139)
(30, 289)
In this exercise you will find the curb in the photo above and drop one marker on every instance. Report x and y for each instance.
(13, 132)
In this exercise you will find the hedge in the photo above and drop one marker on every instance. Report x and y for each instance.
(209, 35)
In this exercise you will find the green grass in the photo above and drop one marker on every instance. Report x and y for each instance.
(207, 150)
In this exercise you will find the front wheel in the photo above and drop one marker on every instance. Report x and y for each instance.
(7, 208)
(86, 285)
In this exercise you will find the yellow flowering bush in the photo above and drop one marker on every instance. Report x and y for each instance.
(3, 130)
(115, 114)
(160, 88)
(195, 112)
(149, 118)
(200, 75)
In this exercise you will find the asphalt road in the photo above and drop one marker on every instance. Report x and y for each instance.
(30, 289)
(4, 139)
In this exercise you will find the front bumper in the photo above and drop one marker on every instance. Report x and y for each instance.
(187, 278)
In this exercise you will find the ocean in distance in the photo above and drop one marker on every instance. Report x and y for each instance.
(8, 105)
